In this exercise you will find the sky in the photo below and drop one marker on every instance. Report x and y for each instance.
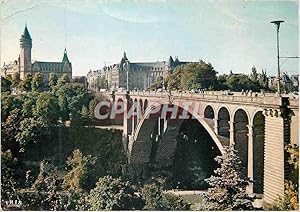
(230, 34)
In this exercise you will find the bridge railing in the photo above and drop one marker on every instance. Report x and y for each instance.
(250, 97)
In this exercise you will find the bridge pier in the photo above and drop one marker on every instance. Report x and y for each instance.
(250, 157)
(277, 134)
(216, 125)
(231, 133)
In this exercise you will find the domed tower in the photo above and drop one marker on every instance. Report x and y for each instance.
(25, 54)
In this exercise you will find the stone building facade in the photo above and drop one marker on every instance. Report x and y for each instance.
(140, 75)
(23, 64)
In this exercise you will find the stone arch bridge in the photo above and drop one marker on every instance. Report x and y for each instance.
(257, 125)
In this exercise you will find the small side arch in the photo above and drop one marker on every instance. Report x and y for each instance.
(209, 112)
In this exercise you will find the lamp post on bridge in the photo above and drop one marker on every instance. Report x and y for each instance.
(277, 23)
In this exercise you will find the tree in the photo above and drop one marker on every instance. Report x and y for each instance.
(15, 80)
(158, 83)
(113, 194)
(5, 85)
(81, 174)
(92, 106)
(64, 79)
(8, 163)
(47, 108)
(10, 102)
(263, 80)
(52, 81)
(238, 82)
(9, 130)
(72, 96)
(29, 105)
(47, 185)
(37, 82)
(30, 130)
(156, 199)
(27, 83)
(193, 76)
(254, 75)
(228, 186)
(101, 82)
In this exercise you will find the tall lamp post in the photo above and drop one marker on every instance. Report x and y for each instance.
(277, 23)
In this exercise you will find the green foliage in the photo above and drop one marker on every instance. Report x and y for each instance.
(193, 76)
(238, 82)
(82, 173)
(8, 184)
(30, 131)
(29, 105)
(52, 81)
(228, 186)
(27, 83)
(102, 82)
(48, 186)
(5, 85)
(92, 106)
(85, 116)
(64, 79)
(155, 198)
(15, 80)
(113, 194)
(158, 83)
(47, 108)
(37, 82)
(10, 102)
(72, 96)
(9, 130)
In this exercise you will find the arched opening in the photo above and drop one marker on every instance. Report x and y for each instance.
(194, 156)
(241, 136)
(209, 112)
(258, 152)
(184, 152)
(145, 105)
(134, 115)
(223, 122)
(118, 119)
(141, 106)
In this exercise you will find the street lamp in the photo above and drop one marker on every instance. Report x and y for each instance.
(277, 23)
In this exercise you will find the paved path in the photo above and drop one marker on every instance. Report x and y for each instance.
(109, 127)
(185, 192)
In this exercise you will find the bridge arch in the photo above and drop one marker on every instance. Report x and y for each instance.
(246, 111)
(258, 127)
(209, 112)
(241, 123)
(145, 105)
(145, 126)
(223, 121)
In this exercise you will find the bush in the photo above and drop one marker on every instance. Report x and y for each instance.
(81, 175)
(113, 194)
(156, 199)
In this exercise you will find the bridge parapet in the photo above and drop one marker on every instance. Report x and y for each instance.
(234, 97)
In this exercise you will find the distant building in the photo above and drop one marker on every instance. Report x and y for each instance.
(287, 82)
(295, 80)
(140, 74)
(290, 83)
(24, 66)
(93, 79)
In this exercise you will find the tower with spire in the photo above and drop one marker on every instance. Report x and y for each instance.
(25, 53)
(24, 66)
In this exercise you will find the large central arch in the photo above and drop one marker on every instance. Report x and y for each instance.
(140, 145)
